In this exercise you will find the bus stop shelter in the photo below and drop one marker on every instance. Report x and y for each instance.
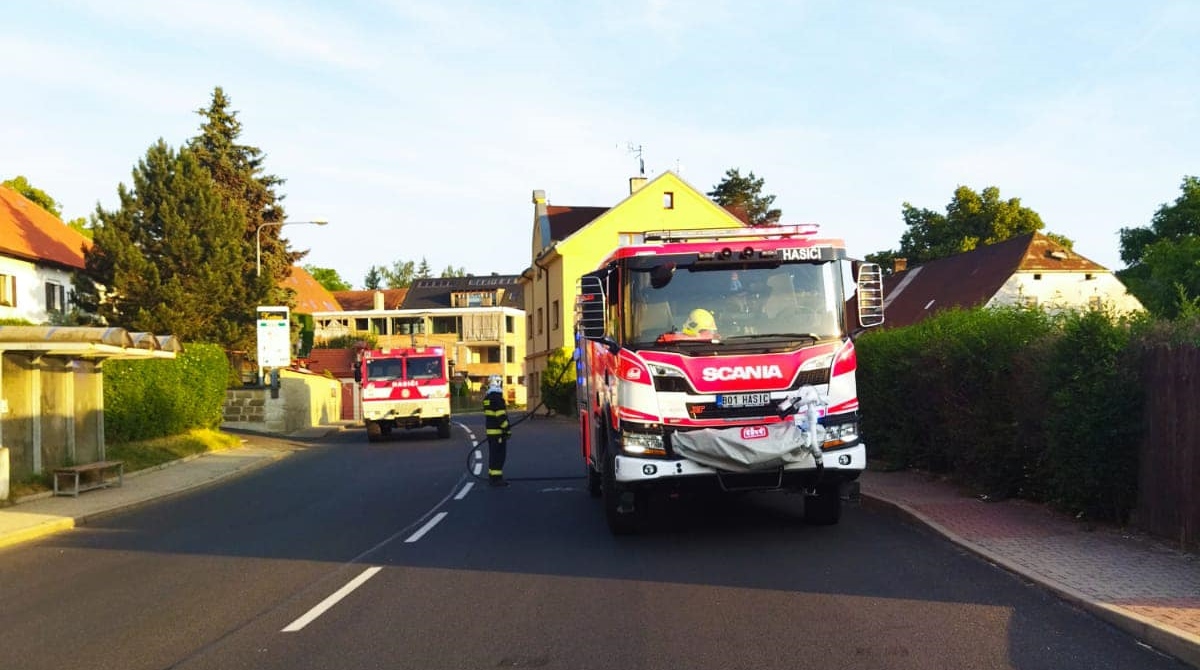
(52, 393)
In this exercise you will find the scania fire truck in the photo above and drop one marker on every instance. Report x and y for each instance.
(722, 359)
(403, 388)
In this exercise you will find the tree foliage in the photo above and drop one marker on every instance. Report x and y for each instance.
(44, 200)
(171, 257)
(245, 187)
(971, 220)
(452, 271)
(1161, 259)
(374, 278)
(328, 277)
(39, 197)
(737, 193)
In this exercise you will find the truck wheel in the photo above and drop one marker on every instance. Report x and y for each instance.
(623, 509)
(824, 508)
(443, 429)
(374, 432)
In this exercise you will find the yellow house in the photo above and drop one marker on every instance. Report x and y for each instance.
(571, 241)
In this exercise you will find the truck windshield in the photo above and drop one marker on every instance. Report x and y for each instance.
(799, 299)
(425, 368)
(385, 369)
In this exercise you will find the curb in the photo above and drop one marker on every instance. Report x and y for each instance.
(60, 524)
(1181, 645)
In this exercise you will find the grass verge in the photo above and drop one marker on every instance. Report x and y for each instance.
(143, 454)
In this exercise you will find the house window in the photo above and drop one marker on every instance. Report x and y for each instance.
(362, 324)
(668, 200)
(8, 290)
(539, 320)
(443, 325)
(510, 354)
(554, 316)
(56, 297)
(493, 354)
(1037, 277)
(529, 327)
(510, 324)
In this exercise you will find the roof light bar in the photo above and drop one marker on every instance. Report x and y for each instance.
(702, 234)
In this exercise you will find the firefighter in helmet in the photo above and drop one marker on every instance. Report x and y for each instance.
(700, 324)
(495, 416)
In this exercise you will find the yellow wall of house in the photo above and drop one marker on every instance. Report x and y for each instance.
(553, 290)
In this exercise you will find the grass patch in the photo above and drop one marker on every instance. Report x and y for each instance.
(144, 454)
(140, 455)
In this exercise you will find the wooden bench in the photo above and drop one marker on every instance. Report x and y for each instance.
(88, 476)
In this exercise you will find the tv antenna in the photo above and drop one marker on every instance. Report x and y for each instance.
(637, 151)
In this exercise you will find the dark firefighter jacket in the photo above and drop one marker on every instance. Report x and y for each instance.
(495, 414)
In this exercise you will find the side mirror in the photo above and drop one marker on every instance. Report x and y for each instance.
(870, 295)
(661, 275)
(357, 373)
(591, 308)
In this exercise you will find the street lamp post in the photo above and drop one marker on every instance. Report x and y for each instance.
(258, 239)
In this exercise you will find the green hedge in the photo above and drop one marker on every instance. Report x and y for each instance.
(145, 399)
(558, 383)
(1011, 402)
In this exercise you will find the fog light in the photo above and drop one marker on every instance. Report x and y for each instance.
(844, 459)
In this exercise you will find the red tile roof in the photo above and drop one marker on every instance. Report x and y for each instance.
(362, 301)
(338, 362)
(31, 233)
(971, 278)
(311, 296)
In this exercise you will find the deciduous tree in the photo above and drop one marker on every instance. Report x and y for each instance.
(971, 220)
(328, 277)
(1163, 259)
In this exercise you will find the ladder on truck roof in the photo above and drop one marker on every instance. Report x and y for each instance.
(717, 234)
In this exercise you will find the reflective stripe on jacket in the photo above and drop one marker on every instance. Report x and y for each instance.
(495, 414)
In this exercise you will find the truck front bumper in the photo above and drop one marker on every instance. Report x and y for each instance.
(848, 462)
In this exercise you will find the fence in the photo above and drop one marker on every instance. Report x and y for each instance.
(1169, 472)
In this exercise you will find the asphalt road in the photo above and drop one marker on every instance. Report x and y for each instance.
(357, 555)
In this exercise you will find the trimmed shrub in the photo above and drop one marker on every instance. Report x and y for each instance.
(145, 399)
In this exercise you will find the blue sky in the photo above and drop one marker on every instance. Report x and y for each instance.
(419, 129)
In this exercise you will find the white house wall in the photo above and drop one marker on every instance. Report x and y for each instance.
(31, 288)
(1057, 291)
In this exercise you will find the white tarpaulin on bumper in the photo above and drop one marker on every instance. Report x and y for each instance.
(745, 448)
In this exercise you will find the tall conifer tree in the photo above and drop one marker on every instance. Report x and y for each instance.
(170, 257)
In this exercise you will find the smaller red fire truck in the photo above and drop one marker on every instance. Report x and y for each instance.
(403, 388)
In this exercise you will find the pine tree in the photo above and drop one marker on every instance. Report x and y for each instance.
(170, 258)
(244, 185)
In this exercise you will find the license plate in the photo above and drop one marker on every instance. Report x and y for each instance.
(743, 399)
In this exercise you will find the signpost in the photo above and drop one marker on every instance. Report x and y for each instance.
(274, 339)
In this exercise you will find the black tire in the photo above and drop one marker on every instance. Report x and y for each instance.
(595, 484)
(620, 522)
(824, 508)
(443, 429)
(374, 432)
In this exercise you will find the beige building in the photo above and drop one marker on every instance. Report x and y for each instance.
(478, 320)
(570, 241)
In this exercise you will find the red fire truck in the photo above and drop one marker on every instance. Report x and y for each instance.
(722, 359)
(403, 388)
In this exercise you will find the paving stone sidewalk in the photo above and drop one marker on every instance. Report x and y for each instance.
(1136, 582)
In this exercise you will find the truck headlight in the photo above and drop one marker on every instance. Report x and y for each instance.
(643, 444)
(840, 434)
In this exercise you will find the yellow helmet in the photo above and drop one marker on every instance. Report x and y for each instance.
(699, 321)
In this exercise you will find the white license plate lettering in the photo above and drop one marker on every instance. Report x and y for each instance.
(743, 399)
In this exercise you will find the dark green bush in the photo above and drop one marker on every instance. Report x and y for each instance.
(558, 383)
(145, 399)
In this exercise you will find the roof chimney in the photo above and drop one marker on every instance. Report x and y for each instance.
(899, 265)
(378, 303)
(635, 183)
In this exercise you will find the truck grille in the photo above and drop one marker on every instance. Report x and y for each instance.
(710, 410)
(680, 385)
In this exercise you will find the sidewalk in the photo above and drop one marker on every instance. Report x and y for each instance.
(44, 513)
(1137, 583)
